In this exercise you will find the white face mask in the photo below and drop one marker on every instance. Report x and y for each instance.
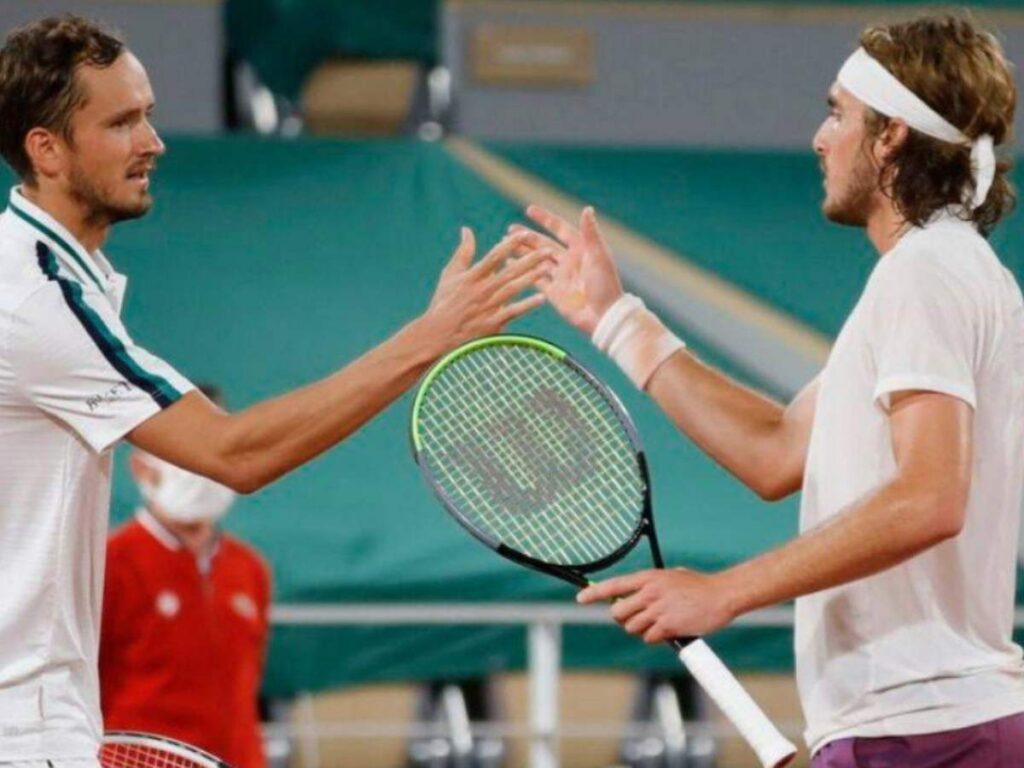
(185, 497)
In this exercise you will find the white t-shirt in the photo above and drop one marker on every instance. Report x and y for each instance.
(924, 646)
(72, 383)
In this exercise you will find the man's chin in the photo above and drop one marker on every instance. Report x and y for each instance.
(839, 214)
(129, 211)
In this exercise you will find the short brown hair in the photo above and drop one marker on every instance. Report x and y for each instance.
(961, 72)
(38, 86)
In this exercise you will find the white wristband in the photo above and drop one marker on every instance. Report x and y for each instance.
(635, 339)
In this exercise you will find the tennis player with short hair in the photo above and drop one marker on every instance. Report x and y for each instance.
(907, 446)
(75, 108)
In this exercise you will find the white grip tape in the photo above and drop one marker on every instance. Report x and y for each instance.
(772, 748)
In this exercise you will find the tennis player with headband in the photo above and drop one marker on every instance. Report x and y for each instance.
(75, 111)
(908, 446)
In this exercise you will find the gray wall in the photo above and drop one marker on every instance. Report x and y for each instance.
(672, 74)
(180, 43)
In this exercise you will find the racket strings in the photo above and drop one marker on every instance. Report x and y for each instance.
(533, 454)
(462, 458)
(536, 475)
(510, 462)
(568, 432)
(565, 431)
(139, 756)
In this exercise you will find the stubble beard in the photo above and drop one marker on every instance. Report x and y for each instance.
(853, 204)
(100, 208)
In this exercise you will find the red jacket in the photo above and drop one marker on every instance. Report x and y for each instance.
(181, 652)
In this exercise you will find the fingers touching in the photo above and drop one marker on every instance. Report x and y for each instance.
(562, 229)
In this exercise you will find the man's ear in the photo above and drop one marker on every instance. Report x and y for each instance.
(892, 137)
(46, 151)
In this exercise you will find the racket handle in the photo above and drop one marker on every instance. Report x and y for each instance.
(772, 748)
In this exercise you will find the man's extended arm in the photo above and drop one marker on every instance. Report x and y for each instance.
(922, 505)
(251, 448)
(761, 442)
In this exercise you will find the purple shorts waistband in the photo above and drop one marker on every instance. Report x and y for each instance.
(994, 744)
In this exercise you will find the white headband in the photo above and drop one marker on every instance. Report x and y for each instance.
(873, 84)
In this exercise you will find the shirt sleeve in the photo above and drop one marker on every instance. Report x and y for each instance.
(925, 326)
(73, 359)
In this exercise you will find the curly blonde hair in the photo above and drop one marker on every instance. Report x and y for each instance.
(960, 71)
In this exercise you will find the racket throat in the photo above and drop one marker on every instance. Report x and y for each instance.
(652, 539)
(565, 573)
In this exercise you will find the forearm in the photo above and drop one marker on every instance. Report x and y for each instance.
(883, 529)
(249, 449)
(758, 440)
(739, 428)
(269, 439)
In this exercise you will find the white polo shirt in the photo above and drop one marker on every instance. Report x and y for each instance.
(72, 383)
(924, 646)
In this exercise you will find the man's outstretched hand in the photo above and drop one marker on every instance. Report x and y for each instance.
(585, 281)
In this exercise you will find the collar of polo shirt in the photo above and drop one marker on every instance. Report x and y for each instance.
(91, 268)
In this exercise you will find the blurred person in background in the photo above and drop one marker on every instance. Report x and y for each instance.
(185, 617)
(908, 446)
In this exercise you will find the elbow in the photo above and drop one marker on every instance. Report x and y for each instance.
(246, 482)
(776, 486)
(243, 484)
(770, 492)
(773, 493)
(945, 513)
(235, 466)
(775, 473)
(949, 520)
(240, 476)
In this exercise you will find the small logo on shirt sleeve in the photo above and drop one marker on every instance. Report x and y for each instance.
(244, 606)
(116, 392)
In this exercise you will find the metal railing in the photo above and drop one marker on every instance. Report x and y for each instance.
(543, 622)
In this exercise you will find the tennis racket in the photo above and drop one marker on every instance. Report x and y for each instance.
(539, 461)
(126, 749)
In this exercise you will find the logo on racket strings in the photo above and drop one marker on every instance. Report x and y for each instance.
(531, 458)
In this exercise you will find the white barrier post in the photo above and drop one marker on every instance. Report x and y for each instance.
(545, 661)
